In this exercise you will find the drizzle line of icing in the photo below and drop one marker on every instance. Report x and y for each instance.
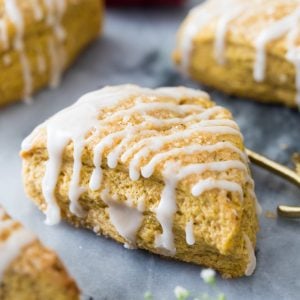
(15, 15)
(189, 233)
(124, 216)
(252, 259)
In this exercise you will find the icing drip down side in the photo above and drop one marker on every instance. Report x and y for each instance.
(126, 218)
(50, 10)
(162, 138)
(225, 13)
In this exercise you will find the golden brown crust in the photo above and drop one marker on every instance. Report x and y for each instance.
(35, 273)
(220, 218)
(235, 76)
(81, 23)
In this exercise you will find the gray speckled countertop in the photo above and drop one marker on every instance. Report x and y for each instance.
(136, 48)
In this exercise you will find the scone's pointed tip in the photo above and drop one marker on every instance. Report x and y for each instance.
(25, 261)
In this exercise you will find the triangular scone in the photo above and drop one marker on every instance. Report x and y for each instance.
(163, 170)
(28, 270)
(245, 48)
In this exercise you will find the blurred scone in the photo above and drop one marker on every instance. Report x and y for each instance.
(163, 170)
(244, 48)
(28, 270)
(40, 39)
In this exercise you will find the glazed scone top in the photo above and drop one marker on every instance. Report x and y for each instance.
(13, 238)
(19, 19)
(269, 26)
(177, 135)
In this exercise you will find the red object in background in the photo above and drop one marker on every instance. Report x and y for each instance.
(143, 2)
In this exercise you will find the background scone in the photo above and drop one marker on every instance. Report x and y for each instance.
(163, 170)
(28, 270)
(244, 48)
(40, 39)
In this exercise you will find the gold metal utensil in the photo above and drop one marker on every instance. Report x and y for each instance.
(282, 171)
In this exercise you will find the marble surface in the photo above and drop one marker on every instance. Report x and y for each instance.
(136, 48)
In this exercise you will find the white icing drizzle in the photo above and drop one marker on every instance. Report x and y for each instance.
(27, 77)
(189, 233)
(272, 32)
(129, 133)
(55, 146)
(197, 19)
(252, 259)
(226, 11)
(82, 117)
(165, 212)
(154, 144)
(289, 25)
(142, 146)
(222, 29)
(15, 15)
(56, 49)
(148, 169)
(55, 11)
(108, 141)
(37, 10)
(253, 195)
(210, 184)
(29, 140)
(11, 247)
(124, 216)
(3, 34)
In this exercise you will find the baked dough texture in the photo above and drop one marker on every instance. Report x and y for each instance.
(244, 48)
(28, 270)
(162, 170)
(40, 39)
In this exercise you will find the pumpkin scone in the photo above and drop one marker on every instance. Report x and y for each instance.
(163, 170)
(28, 270)
(244, 48)
(39, 39)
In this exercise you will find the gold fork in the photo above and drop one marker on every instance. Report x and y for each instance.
(282, 171)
